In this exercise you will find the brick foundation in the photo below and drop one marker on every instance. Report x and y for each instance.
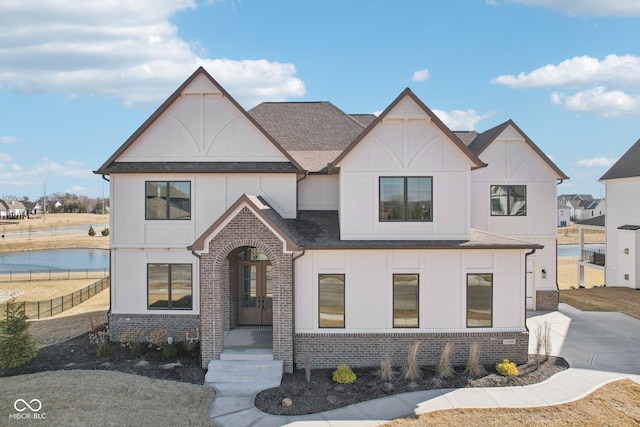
(148, 322)
(547, 300)
(362, 350)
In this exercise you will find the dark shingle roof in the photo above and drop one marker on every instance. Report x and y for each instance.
(198, 167)
(627, 166)
(365, 119)
(596, 221)
(313, 133)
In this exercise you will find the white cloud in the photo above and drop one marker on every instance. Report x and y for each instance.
(123, 49)
(420, 75)
(8, 139)
(606, 87)
(16, 167)
(580, 70)
(47, 167)
(596, 162)
(461, 120)
(587, 7)
(608, 103)
(5, 157)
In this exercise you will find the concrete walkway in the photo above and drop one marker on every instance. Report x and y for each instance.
(600, 347)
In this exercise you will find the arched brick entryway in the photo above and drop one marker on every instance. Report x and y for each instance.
(216, 306)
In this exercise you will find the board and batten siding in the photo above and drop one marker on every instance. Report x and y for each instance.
(442, 288)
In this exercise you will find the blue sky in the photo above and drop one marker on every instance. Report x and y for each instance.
(78, 78)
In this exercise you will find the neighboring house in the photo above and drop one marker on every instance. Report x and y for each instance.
(587, 209)
(12, 209)
(352, 236)
(32, 208)
(622, 186)
(564, 215)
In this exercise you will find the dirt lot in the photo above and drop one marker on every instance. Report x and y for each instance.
(568, 274)
(624, 300)
(570, 235)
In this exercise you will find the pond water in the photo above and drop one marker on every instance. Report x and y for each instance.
(574, 250)
(55, 259)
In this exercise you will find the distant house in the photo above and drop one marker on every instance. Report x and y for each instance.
(564, 215)
(33, 208)
(12, 209)
(622, 184)
(581, 206)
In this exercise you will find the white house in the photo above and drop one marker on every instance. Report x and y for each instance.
(564, 214)
(351, 236)
(622, 186)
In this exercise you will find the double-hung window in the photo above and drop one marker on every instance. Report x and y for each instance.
(406, 198)
(169, 286)
(508, 200)
(168, 200)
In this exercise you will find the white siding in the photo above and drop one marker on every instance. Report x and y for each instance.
(318, 192)
(622, 208)
(442, 293)
(405, 143)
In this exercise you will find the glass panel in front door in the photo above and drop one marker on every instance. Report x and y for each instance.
(249, 286)
(268, 286)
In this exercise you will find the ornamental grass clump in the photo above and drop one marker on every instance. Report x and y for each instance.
(386, 371)
(444, 368)
(343, 375)
(507, 368)
(411, 370)
(474, 368)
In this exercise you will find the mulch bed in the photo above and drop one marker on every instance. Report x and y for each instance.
(78, 353)
(322, 394)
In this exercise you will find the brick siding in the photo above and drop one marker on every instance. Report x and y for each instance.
(547, 300)
(362, 350)
(148, 322)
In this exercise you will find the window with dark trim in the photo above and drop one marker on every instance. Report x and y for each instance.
(331, 300)
(168, 200)
(406, 301)
(479, 300)
(508, 200)
(169, 286)
(406, 198)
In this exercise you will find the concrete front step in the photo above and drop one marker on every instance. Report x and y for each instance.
(247, 354)
(249, 372)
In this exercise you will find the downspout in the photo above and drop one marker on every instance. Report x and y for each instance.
(111, 228)
(526, 256)
(293, 305)
(306, 173)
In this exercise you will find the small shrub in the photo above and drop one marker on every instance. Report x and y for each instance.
(92, 232)
(444, 368)
(507, 368)
(130, 337)
(343, 375)
(137, 349)
(100, 337)
(104, 350)
(169, 351)
(386, 371)
(189, 339)
(411, 370)
(158, 338)
(474, 368)
(105, 231)
(17, 346)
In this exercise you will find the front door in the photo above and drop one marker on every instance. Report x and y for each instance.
(255, 295)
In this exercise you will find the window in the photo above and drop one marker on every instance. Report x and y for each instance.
(406, 199)
(509, 200)
(168, 200)
(479, 300)
(405, 301)
(169, 286)
(331, 300)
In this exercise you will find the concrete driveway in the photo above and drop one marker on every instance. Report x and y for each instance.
(601, 341)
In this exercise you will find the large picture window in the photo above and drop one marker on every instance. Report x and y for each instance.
(169, 286)
(168, 200)
(331, 300)
(479, 300)
(406, 198)
(405, 301)
(509, 200)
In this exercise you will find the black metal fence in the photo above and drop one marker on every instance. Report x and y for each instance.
(596, 258)
(51, 307)
(41, 275)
